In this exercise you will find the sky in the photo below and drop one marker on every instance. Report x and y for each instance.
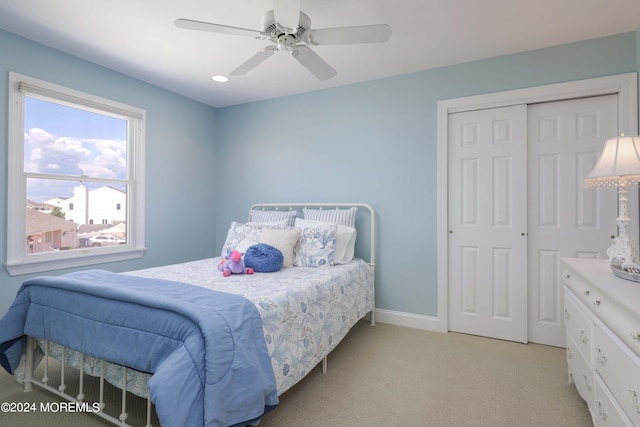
(62, 140)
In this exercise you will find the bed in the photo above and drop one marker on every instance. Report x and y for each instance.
(301, 313)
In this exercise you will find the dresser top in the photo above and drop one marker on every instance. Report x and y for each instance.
(597, 272)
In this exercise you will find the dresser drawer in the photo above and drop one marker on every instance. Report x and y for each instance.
(580, 372)
(605, 411)
(620, 371)
(579, 326)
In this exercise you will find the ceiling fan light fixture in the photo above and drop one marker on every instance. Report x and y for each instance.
(220, 78)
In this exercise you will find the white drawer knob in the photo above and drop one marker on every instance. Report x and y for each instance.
(583, 337)
(600, 356)
(602, 412)
(569, 353)
(634, 399)
(635, 335)
(596, 302)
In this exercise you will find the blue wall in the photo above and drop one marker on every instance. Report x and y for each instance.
(180, 137)
(373, 142)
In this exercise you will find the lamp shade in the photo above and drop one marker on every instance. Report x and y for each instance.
(618, 164)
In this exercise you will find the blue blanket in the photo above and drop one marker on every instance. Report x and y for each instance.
(205, 349)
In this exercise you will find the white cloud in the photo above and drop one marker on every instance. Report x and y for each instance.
(99, 158)
(71, 156)
(110, 161)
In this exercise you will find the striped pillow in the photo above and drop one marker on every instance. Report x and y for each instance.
(337, 216)
(258, 215)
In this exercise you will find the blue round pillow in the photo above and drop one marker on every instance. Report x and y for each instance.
(263, 258)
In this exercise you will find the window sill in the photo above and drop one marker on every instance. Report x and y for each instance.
(39, 266)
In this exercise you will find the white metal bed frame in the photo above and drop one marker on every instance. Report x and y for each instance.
(30, 381)
(60, 391)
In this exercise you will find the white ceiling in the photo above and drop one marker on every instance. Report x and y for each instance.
(139, 38)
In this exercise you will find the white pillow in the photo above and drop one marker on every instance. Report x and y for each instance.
(345, 239)
(244, 244)
(237, 233)
(337, 216)
(283, 239)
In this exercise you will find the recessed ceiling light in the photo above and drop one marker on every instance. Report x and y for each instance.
(220, 79)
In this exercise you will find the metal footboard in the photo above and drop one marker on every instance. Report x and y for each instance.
(80, 402)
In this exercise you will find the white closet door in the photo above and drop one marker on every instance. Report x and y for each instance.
(487, 223)
(565, 220)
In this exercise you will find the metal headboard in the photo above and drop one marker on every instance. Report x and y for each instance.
(298, 206)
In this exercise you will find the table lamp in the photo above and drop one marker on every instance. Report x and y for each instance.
(619, 166)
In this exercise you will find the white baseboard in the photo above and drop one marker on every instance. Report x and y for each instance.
(410, 320)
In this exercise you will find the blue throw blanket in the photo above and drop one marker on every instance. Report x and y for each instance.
(206, 349)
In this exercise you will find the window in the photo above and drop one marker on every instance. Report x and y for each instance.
(68, 148)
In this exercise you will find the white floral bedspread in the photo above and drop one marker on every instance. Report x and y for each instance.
(305, 312)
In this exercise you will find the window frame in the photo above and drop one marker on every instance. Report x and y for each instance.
(18, 261)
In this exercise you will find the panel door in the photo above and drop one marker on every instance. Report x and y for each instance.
(487, 223)
(565, 220)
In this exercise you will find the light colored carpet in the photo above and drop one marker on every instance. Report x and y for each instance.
(386, 376)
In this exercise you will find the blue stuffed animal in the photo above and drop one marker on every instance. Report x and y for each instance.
(232, 264)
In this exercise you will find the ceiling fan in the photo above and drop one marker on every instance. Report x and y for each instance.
(290, 31)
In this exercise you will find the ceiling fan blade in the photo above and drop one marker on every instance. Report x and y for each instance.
(287, 15)
(216, 28)
(313, 62)
(348, 35)
(254, 61)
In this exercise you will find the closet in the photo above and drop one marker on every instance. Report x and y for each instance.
(516, 206)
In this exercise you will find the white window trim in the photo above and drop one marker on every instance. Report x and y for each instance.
(17, 260)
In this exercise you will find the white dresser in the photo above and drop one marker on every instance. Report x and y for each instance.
(602, 319)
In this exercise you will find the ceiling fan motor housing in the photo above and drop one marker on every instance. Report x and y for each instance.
(272, 32)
